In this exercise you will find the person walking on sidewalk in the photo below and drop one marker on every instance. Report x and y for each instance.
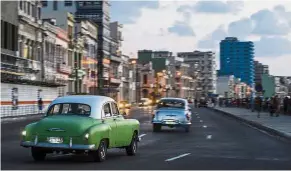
(272, 106)
(258, 105)
(285, 105)
(40, 105)
(277, 105)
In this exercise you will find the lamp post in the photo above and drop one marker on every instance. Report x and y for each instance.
(134, 62)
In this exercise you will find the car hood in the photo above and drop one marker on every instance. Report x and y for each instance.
(64, 125)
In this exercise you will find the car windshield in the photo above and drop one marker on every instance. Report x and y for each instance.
(69, 109)
(171, 103)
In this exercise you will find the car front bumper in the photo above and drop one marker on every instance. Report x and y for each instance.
(58, 146)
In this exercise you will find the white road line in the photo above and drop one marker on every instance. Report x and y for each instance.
(180, 156)
(201, 120)
(141, 135)
(204, 126)
(209, 137)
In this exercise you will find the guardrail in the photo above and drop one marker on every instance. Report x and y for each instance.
(7, 111)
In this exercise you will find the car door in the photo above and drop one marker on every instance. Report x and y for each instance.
(109, 120)
(123, 130)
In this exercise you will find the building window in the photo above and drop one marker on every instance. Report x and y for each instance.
(145, 79)
(44, 3)
(20, 4)
(24, 6)
(68, 3)
(28, 8)
(39, 13)
(33, 11)
(55, 5)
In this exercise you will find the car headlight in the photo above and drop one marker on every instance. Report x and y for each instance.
(87, 135)
(120, 105)
(23, 133)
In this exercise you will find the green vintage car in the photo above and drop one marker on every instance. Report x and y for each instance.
(81, 124)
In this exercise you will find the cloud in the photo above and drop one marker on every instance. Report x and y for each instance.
(272, 47)
(214, 7)
(126, 12)
(241, 28)
(211, 41)
(268, 23)
(181, 29)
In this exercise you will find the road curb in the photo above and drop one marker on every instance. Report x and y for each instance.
(256, 125)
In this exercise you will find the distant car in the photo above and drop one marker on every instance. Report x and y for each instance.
(172, 112)
(124, 105)
(81, 124)
(145, 102)
(203, 103)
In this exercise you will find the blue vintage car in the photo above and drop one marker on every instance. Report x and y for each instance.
(172, 112)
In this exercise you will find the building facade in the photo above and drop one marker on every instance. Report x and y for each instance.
(202, 68)
(89, 33)
(237, 58)
(260, 69)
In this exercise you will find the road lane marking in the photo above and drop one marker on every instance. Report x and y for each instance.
(141, 135)
(201, 120)
(204, 126)
(209, 137)
(180, 156)
(198, 117)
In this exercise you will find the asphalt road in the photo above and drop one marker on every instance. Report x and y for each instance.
(214, 142)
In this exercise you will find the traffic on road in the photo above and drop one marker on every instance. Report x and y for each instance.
(212, 138)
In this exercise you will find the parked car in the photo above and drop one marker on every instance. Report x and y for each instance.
(124, 105)
(145, 102)
(172, 112)
(81, 124)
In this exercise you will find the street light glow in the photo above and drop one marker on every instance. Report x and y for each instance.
(133, 62)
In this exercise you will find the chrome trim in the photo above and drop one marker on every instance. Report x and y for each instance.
(56, 129)
(60, 146)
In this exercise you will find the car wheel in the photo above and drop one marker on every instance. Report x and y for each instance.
(187, 129)
(132, 148)
(156, 127)
(37, 154)
(101, 153)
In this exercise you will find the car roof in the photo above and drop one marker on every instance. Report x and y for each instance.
(173, 98)
(96, 102)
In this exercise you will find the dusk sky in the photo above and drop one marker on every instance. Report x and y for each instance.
(200, 25)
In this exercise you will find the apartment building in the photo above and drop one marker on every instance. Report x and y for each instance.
(202, 68)
(260, 69)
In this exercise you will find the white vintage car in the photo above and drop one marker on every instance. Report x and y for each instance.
(172, 112)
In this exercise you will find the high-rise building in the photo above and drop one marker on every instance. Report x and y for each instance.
(260, 69)
(237, 58)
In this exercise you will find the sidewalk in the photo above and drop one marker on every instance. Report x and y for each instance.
(279, 126)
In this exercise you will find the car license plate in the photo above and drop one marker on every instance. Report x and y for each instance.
(170, 122)
(55, 139)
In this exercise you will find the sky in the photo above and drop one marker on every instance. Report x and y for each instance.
(186, 26)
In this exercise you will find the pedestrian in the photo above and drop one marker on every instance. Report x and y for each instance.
(285, 105)
(195, 101)
(258, 105)
(40, 105)
(277, 105)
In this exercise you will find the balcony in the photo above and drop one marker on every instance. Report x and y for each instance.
(115, 58)
(64, 69)
(115, 80)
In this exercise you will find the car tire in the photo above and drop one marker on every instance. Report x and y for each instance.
(157, 127)
(187, 129)
(37, 154)
(101, 154)
(132, 148)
